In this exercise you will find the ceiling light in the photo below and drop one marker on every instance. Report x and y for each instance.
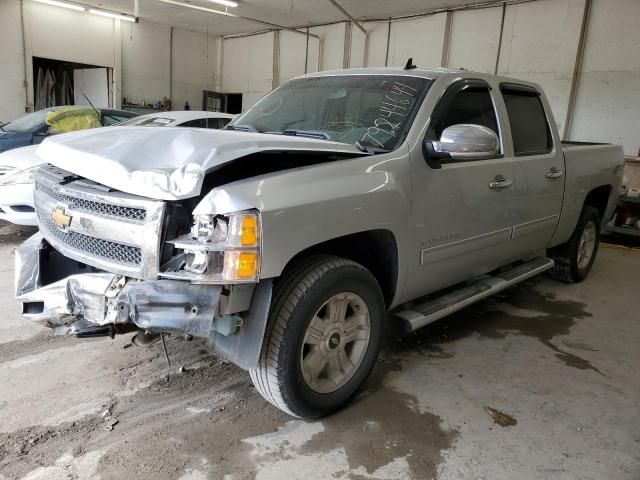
(119, 16)
(226, 3)
(55, 3)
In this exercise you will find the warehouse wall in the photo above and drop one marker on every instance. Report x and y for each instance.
(12, 93)
(539, 42)
(139, 55)
(608, 101)
(194, 67)
(421, 39)
(248, 66)
(150, 71)
(475, 36)
(145, 61)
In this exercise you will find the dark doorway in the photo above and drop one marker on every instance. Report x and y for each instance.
(53, 82)
(234, 102)
(221, 102)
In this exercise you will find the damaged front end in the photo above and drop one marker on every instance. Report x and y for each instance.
(73, 298)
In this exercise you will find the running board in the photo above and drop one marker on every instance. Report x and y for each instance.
(421, 314)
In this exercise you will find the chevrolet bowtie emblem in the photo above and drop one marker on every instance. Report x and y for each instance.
(60, 218)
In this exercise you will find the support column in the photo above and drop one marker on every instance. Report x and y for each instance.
(577, 69)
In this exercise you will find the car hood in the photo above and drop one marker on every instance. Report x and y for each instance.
(166, 163)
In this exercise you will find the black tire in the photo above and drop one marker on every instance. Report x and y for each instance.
(566, 268)
(298, 295)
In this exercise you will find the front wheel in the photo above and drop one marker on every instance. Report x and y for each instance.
(322, 338)
(574, 259)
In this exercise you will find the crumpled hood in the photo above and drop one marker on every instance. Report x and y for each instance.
(164, 163)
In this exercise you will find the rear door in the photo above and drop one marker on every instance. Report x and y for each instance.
(462, 211)
(539, 168)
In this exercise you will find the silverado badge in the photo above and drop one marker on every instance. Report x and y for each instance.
(61, 219)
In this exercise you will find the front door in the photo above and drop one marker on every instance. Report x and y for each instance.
(462, 215)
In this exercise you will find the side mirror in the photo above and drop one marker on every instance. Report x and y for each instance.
(462, 142)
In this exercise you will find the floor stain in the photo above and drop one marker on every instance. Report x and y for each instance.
(381, 426)
(501, 418)
(164, 438)
(546, 317)
(24, 450)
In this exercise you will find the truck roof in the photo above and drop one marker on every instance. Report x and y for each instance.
(430, 73)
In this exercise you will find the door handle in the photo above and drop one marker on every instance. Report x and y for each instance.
(500, 182)
(554, 173)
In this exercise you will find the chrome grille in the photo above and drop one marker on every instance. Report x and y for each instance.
(113, 251)
(110, 230)
(136, 214)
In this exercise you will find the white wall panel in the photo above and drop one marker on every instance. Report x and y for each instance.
(293, 49)
(608, 100)
(194, 67)
(12, 94)
(378, 33)
(421, 39)
(313, 59)
(358, 44)
(248, 67)
(145, 61)
(475, 35)
(539, 44)
(332, 45)
(63, 34)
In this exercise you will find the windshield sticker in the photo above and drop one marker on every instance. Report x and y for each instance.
(391, 113)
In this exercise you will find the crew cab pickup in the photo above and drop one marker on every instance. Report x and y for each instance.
(287, 237)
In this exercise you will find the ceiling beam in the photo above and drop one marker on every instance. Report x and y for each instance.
(349, 16)
(239, 17)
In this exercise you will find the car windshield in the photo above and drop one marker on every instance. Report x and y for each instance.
(28, 123)
(369, 111)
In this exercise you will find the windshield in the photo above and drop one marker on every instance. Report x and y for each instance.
(29, 122)
(373, 110)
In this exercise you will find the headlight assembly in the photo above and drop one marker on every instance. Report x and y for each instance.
(221, 249)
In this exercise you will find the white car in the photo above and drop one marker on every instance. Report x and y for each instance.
(17, 165)
(16, 185)
(183, 118)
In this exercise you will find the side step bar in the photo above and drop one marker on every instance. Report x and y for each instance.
(435, 308)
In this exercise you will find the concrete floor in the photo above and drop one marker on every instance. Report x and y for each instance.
(561, 360)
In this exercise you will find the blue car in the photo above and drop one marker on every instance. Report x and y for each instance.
(34, 127)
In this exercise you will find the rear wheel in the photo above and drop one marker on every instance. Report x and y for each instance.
(575, 258)
(322, 338)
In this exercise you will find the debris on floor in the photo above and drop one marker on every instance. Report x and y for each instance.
(501, 418)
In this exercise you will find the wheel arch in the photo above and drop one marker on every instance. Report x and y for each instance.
(376, 250)
(599, 199)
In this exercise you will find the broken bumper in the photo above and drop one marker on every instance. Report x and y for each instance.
(72, 298)
(102, 298)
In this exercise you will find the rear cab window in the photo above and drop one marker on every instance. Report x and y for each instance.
(530, 129)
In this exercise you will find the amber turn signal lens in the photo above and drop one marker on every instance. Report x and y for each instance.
(240, 265)
(249, 231)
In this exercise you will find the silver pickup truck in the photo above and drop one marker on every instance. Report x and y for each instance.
(285, 239)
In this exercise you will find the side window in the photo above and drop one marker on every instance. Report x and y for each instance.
(467, 105)
(108, 120)
(529, 126)
(197, 123)
(213, 123)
